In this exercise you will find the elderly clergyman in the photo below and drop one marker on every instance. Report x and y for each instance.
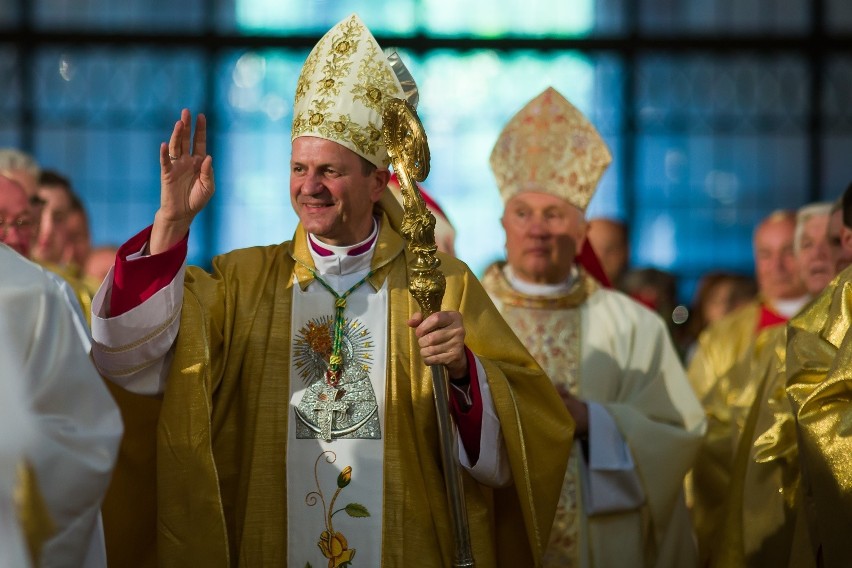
(638, 423)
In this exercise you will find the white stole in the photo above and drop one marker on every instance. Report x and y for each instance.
(314, 464)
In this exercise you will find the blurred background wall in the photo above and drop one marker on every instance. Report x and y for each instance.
(716, 112)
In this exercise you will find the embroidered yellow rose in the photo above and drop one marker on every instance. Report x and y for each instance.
(335, 548)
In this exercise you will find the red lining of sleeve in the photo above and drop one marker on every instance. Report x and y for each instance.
(134, 281)
(469, 422)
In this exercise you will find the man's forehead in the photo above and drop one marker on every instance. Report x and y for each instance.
(12, 194)
(12, 205)
(312, 148)
(23, 178)
(539, 200)
(775, 230)
(55, 196)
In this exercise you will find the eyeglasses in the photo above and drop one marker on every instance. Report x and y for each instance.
(21, 225)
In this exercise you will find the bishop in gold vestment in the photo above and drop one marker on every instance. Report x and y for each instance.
(611, 359)
(298, 424)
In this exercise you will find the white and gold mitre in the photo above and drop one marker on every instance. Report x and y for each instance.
(550, 147)
(342, 89)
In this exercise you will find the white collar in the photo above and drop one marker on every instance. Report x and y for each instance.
(791, 306)
(340, 262)
(532, 289)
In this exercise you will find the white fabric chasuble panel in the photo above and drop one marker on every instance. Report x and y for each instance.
(334, 488)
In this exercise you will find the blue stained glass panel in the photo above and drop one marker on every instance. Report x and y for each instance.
(9, 12)
(108, 15)
(10, 94)
(102, 115)
(838, 16)
(724, 16)
(477, 18)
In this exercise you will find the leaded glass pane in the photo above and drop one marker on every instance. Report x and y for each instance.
(490, 18)
(837, 121)
(836, 167)
(478, 18)
(9, 13)
(708, 94)
(255, 97)
(838, 16)
(300, 16)
(117, 84)
(107, 15)
(101, 117)
(10, 93)
(728, 16)
(722, 142)
(611, 16)
(837, 88)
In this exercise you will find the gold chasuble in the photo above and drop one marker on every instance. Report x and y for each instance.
(819, 382)
(223, 427)
(722, 376)
(83, 291)
(605, 348)
(721, 345)
(761, 524)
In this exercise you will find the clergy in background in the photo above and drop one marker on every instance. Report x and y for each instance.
(22, 214)
(761, 525)
(638, 423)
(738, 339)
(819, 379)
(298, 423)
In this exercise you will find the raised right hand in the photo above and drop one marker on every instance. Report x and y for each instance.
(186, 182)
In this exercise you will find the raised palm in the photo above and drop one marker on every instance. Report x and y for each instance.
(186, 181)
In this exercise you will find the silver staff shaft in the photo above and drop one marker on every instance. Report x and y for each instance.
(463, 554)
(409, 152)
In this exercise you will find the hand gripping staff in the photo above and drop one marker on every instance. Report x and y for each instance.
(409, 152)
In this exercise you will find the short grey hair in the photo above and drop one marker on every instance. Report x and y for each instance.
(12, 159)
(805, 214)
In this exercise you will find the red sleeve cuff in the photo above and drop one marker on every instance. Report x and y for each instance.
(136, 280)
(469, 421)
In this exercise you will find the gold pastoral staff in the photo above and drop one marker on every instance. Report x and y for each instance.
(409, 153)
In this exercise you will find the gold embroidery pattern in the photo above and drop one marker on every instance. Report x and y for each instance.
(374, 78)
(341, 89)
(549, 146)
(550, 330)
(339, 62)
(340, 128)
(332, 544)
(303, 84)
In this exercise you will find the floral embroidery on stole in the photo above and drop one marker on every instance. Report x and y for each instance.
(549, 327)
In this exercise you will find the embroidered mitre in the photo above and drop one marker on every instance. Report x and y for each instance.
(550, 147)
(342, 89)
